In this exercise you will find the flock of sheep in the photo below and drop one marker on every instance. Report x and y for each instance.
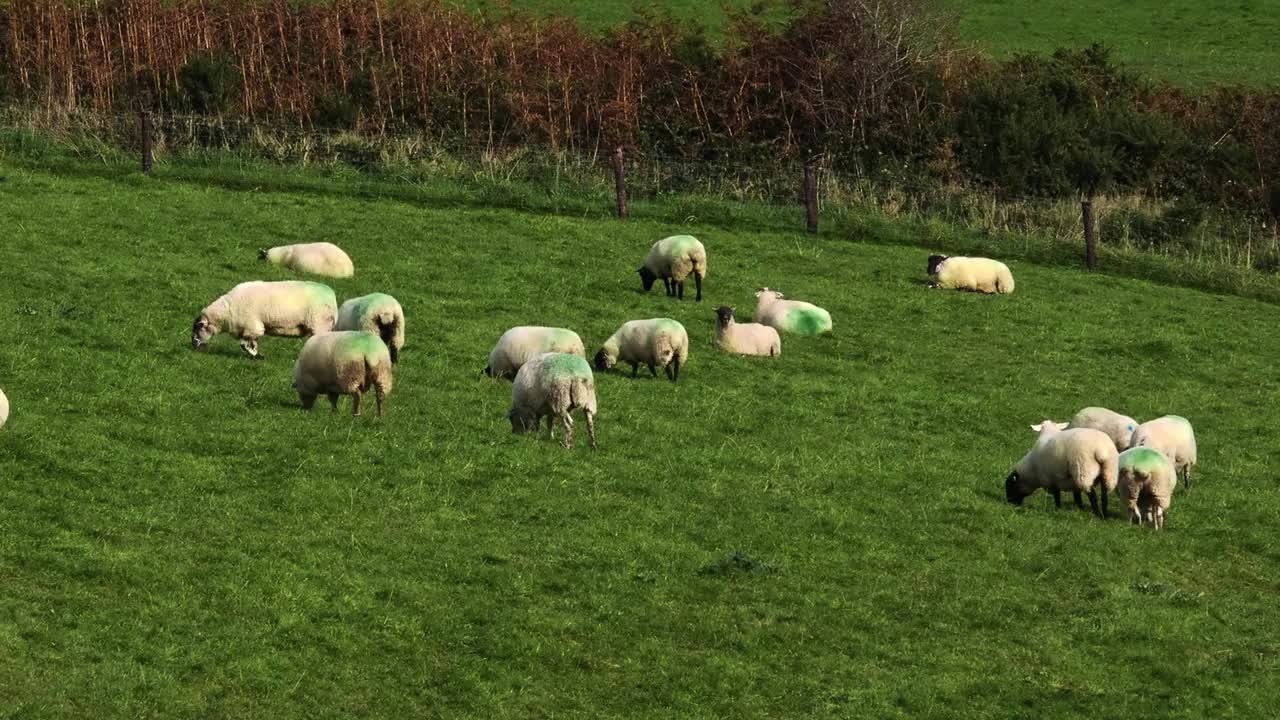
(353, 349)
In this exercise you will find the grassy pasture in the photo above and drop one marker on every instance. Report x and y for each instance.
(822, 535)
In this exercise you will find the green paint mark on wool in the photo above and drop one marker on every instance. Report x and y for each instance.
(363, 342)
(667, 324)
(805, 321)
(319, 291)
(566, 365)
(681, 243)
(1142, 458)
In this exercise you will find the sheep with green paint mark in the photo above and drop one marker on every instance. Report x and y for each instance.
(377, 313)
(1147, 479)
(1173, 436)
(346, 362)
(673, 259)
(982, 275)
(250, 310)
(790, 316)
(319, 258)
(553, 385)
(1117, 427)
(4, 409)
(745, 338)
(521, 344)
(655, 343)
(1078, 460)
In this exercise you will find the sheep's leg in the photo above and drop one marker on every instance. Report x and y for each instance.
(666, 284)
(591, 428)
(567, 422)
(1093, 501)
(675, 370)
(635, 369)
(250, 347)
(697, 281)
(308, 401)
(1079, 500)
(668, 370)
(1105, 513)
(652, 371)
(355, 403)
(333, 401)
(1186, 476)
(680, 289)
(1057, 497)
(551, 429)
(380, 394)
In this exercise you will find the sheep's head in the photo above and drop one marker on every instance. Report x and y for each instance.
(201, 331)
(1015, 491)
(522, 421)
(603, 360)
(262, 253)
(724, 315)
(934, 262)
(647, 278)
(766, 292)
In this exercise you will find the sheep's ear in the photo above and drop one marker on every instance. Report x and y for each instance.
(1037, 427)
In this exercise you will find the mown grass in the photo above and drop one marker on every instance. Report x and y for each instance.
(823, 535)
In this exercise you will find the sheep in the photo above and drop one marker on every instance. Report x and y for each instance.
(346, 362)
(286, 308)
(745, 338)
(1147, 479)
(378, 313)
(1118, 427)
(970, 273)
(1173, 436)
(1076, 460)
(521, 344)
(319, 258)
(4, 409)
(553, 385)
(657, 342)
(792, 316)
(673, 259)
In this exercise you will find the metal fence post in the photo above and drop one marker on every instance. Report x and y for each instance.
(620, 181)
(811, 194)
(146, 142)
(1090, 241)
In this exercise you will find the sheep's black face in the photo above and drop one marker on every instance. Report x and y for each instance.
(647, 278)
(1013, 491)
(934, 262)
(522, 423)
(724, 314)
(262, 253)
(201, 331)
(603, 361)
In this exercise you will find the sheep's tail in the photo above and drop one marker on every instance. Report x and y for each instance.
(389, 332)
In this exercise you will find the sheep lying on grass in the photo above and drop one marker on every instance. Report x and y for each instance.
(970, 273)
(792, 316)
(1173, 436)
(745, 338)
(673, 259)
(377, 313)
(319, 258)
(1077, 460)
(1147, 479)
(4, 409)
(553, 385)
(288, 308)
(1117, 427)
(521, 344)
(656, 343)
(347, 362)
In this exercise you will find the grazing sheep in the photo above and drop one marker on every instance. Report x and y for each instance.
(792, 316)
(657, 342)
(1118, 427)
(1147, 479)
(553, 385)
(521, 344)
(319, 258)
(1173, 436)
(673, 259)
(1076, 460)
(287, 308)
(970, 273)
(347, 362)
(377, 313)
(4, 409)
(745, 338)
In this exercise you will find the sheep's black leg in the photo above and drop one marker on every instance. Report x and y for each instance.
(1057, 498)
(1093, 501)
(1079, 500)
(333, 401)
(675, 370)
(667, 370)
(666, 283)
(652, 371)
(308, 401)
(1105, 514)
(680, 289)
(697, 281)
(355, 403)
(635, 369)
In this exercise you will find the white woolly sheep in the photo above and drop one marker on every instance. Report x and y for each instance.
(377, 313)
(1077, 460)
(745, 338)
(347, 362)
(657, 343)
(553, 385)
(970, 273)
(1173, 436)
(521, 344)
(286, 308)
(4, 409)
(320, 258)
(792, 316)
(673, 259)
(1118, 427)
(1147, 479)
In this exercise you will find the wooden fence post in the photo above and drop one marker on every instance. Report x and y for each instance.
(146, 142)
(620, 181)
(1090, 241)
(811, 194)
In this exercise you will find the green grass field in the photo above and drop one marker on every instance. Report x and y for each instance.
(821, 535)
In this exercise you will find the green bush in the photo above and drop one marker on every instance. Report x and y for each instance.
(209, 83)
